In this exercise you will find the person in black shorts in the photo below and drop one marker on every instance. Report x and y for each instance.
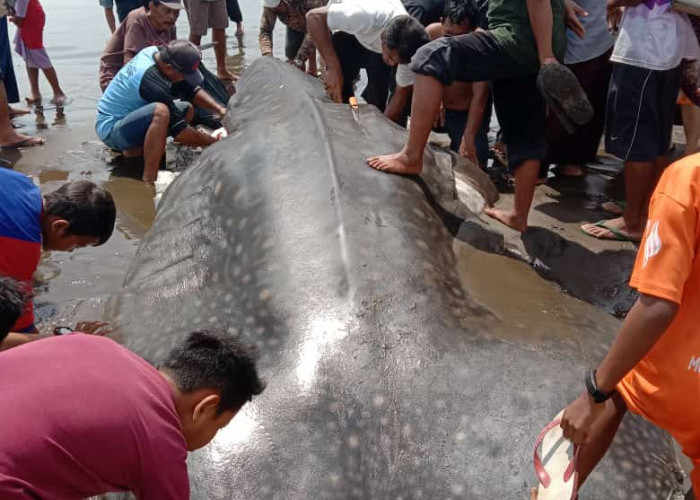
(510, 54)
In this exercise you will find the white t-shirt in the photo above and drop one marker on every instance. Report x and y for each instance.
(654, 36)
(367, 19)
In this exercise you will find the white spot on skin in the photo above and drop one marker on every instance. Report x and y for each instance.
(213, 319)
(239, 249)
(242, 224)
(197, 320)
(353, 441)
(335, 479)
(457, 489)
(228, 297)
(232, 330)
(264, 294)
(378, 400)
(333, 407)
(249, 320)
(461, 436)
(217, 188)
(229, 223)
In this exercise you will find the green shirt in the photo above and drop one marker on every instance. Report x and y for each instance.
(510, 24)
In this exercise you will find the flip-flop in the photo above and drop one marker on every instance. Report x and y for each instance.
(619, 236)
(564, 95)
(23, 144)
(557, 466)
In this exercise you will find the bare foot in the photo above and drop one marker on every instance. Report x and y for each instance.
(613, 229)
(15, 140)
(33, 100)
(533, 494)
(59, 99)
(510, 219)
(226, 75)
(398, 163)
(18, 111)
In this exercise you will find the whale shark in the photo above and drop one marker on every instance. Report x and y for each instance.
(386, 378)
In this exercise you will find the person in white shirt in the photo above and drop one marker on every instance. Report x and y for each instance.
(372, 34)
(646, 77)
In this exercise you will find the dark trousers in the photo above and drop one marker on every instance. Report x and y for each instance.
(353, 57)
(293, 42)
(234, 11)
(582, 146)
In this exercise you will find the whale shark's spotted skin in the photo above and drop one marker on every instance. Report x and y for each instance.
(384, 379)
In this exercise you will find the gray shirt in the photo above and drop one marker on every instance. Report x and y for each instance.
(598, 39)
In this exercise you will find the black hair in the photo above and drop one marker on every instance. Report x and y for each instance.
(406, 35)
(458, 11)
(87, 207)
(218, 361)
(13, 300)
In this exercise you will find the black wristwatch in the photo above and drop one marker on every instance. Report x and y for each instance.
(597, 395)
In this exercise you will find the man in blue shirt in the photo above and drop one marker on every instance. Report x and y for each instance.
(138, 110)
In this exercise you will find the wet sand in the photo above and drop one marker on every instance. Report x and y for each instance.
(75, 286)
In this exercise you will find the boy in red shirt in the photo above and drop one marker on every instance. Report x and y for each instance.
(653, 368)
(78, 214)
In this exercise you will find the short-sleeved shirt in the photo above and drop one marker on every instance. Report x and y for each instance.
(367, 19)
(133, 35)
(21, 205)
(597, 40)
(88, 417)
(294, 19)
(654, 36)
(510, 24)
(664, 387)
(137, 84)
(124, 7)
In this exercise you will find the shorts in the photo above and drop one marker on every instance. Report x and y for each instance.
(130, 131)
(293, 43)
(474, 57)
(640, 112)
(107, 4)
(204, 14)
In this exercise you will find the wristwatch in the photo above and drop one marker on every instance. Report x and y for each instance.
(597, 395)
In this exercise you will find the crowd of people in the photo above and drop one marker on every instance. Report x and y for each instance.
(559, 74)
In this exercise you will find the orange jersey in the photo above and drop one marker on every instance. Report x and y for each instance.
(664, 387)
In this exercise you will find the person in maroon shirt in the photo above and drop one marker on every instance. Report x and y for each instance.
(103, 419)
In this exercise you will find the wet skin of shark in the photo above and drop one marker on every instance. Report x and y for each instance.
(384, 379)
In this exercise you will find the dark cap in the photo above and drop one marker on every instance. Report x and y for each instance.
(185, 57)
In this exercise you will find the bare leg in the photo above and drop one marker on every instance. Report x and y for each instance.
(691, 125)
(35, 93)
(154, 143)
(109, 16)
(313, 67)
(133, 153)
(219, 38)
(58, 96)
(8, 135)
(196, 39)
(427, 96)
(640, 179)
(239, 29)
(525, 181)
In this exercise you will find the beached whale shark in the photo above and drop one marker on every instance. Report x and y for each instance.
(385, 378)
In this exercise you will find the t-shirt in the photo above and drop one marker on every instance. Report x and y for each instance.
(665, 384)
(654, 36)
(367, 19)
(510, 24)
(598, 39)
(136, 85)
(88, 417)
(133, 35)
(20, 234)
(426, 11)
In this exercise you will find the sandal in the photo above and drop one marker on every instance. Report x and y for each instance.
(558, 472)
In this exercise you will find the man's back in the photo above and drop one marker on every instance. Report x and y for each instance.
(82, 415)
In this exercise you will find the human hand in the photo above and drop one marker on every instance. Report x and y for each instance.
(333, 80)
(467, 149)
(614, 16)
(579, 417)
(572, 14)
(219, 134)
(93, 327)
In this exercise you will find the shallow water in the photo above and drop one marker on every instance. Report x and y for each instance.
(75, 286)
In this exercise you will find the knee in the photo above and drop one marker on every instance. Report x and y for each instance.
(161, 114)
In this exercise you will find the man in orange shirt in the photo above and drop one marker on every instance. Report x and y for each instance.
(653, 367)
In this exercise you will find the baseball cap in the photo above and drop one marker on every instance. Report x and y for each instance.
(184, 57)
(171, 4)
(271, 4)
